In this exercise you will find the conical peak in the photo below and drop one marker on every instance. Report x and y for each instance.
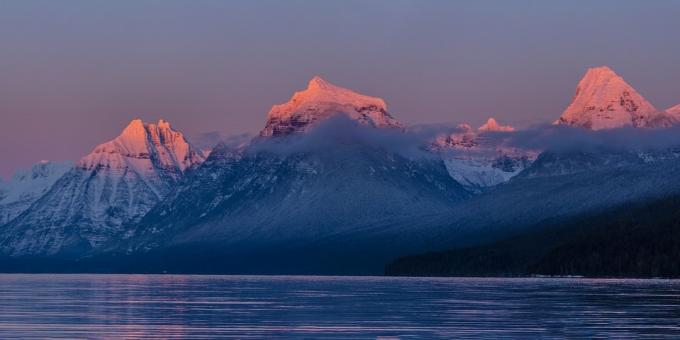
(491, 122)
(603, 100)
(318, 83)
(493, 125)
(134, 130)
(135, 124)
(601, 78)
(601, 71)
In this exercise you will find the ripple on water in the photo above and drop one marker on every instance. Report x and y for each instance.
(186, 306)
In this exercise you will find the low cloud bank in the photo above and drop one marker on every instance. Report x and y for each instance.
(564, 138)
(413, 142)
(340, 131)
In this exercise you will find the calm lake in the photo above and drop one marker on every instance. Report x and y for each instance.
(179, 306)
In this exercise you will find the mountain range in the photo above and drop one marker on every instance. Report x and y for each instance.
(335, 184)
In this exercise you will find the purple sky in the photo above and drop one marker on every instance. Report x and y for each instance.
(73, 73)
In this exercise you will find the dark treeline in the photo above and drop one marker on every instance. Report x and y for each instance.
(634, 240)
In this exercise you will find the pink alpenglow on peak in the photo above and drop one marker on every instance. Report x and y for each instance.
(146, 148)
(321, 100)
(603, 100)
(492, 125)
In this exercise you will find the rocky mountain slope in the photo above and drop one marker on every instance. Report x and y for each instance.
(328, 185)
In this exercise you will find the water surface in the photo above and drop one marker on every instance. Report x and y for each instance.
(183, 306)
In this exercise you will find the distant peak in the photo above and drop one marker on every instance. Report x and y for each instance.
(491, 121)
(492, 125)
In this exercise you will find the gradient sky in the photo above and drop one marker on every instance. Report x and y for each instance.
(73, 73)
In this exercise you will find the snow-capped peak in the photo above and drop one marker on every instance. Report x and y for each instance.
(318, 84)
(133, 138)
(321, 100)
(144, 147)
(492, 125)
(603, 100)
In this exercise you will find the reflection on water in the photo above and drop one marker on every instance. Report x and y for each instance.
(179, 306)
